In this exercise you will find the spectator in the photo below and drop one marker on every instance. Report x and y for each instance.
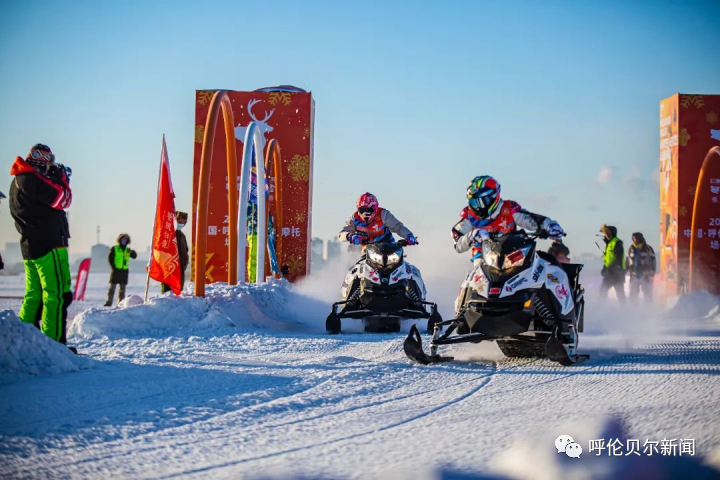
(613, 271)
(39, 195)
(183, 251)
(119, 260)
(641, 268)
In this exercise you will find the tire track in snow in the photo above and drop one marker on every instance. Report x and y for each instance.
(484, 382)
(226, 436)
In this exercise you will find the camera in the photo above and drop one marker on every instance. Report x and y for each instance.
(56, 170)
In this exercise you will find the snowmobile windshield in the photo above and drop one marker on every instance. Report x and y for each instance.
(384, 256)
(508, 252)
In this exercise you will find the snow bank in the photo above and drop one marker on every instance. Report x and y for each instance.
(538, 459)
(276, 306)
(23, 348)
(695, 305)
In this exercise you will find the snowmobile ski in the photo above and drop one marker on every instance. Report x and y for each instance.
(556, 351)
(414, 350)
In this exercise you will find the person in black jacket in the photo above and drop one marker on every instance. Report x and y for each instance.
(641, 268)
(119, 260)
(183, 251)
(39, 195)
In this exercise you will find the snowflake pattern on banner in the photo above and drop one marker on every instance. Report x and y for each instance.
(204, 96)
(684, 137)
(299, 168)
(696, 101)
(284, 98)
(199, 133)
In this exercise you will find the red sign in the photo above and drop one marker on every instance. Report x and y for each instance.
(287, 117)
(689, 128)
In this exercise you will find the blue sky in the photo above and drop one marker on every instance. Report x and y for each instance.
(413, 99)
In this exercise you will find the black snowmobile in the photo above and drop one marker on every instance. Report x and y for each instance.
(518, 296)
(382, 290)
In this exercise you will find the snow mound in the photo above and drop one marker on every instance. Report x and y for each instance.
(24, 349)
(539, 459)
(131, 301)
(695, 305)
(273, 306)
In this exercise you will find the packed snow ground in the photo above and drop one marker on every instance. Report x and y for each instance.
(245, 383)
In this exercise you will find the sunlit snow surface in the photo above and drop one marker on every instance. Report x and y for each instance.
(246, 384)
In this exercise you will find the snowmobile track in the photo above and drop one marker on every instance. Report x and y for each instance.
(484, 382)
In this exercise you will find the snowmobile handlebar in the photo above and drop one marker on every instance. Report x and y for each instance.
(541, 234)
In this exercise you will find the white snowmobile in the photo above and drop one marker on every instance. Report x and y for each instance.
(522, 298)
(382, 290)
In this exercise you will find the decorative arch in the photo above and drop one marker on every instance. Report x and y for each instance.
(220, 101)
(273, 159)
(253, 138)
(713, 154)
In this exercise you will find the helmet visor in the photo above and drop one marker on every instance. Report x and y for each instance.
(483, 199)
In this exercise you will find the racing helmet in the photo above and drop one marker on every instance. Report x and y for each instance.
(367, 206)
(483, 195)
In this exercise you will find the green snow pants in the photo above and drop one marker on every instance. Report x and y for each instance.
(48, 293)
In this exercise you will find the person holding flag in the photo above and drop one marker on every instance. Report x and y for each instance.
(181, 219)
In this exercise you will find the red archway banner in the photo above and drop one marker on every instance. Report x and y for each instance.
(287, 117)
(689, 128)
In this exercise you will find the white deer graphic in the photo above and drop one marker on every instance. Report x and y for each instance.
(262, 125)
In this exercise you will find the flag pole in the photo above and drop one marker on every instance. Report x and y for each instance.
(152, 242)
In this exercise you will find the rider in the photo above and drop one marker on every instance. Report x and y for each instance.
(373, 224)
(487, 213)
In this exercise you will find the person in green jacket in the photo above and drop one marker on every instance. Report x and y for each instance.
(613, 271)
(119, 260)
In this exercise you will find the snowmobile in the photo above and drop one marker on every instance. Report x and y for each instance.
(382, 289)
(522, 298)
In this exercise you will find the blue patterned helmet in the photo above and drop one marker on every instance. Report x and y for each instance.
(483, 195)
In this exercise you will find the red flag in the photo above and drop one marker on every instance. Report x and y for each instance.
(165, 261)
(82, 278)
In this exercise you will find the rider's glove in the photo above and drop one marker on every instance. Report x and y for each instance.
(356, 239)
(480, 234)
(554, 230)
(411, 240)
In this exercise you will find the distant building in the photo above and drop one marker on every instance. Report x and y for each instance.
(12, 257)
(592, 263)
(99, 255)
(318, 247)
(334, 250)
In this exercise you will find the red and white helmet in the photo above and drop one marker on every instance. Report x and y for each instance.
(367, 205)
